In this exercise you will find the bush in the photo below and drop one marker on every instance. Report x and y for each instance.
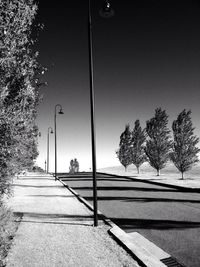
(8, 227)
(37, 169)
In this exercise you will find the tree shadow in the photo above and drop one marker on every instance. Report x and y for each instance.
(141, 199)
(79, 174)
(37, 186)
(74, 177)
(32, 179)
(127, 188)
(66, 223)
(33, 176)
(64, 196)
(90, 179)
(43, 218)
(129, 223)
(54, 216)
(90, 176)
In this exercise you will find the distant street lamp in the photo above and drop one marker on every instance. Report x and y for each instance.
(45, 166)
(105, 12)
(59, 112)
(51, 132)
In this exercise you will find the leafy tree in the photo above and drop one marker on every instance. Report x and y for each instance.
(158, 144)
(124, 151)
(19, 86)
(138, 148)
(185, 151)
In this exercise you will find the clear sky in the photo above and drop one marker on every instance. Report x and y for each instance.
(146, 56)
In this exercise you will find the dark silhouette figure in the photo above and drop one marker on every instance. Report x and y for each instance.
(74, 166)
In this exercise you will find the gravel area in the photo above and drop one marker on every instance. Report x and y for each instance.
(66, 245)
(56, 230)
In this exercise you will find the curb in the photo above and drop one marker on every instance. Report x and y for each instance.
(179, 187)
(139, 253)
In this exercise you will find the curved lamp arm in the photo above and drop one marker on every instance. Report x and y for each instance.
(50, 129)
(61, 110)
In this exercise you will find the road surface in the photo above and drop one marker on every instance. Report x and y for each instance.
(168, 217)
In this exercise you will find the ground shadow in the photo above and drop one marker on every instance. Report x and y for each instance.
(66, 223)
(37, 186)
(42, 218)
(34, 176)
(98, 175)
(141, 199)
(51, 179)
(129, 223)
(90, 179)
(64, 196)
(126, 188)
(54, 215)
(73, 177)
(79, 174)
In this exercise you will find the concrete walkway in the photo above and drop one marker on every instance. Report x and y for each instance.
(56, 229)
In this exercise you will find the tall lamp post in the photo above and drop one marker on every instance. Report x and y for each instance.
(51, 132)
(106, 11)
(59, 112)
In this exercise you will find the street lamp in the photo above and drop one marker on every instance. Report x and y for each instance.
(107, 12)
(45, 166)
(51, 132)
(60, 112)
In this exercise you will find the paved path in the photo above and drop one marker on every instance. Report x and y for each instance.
(56, 229)
(168, 217)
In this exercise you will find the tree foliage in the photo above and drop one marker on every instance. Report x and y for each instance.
(185, 149)
(158, 144)
(124, 151)
(19, 87)
(138, 145)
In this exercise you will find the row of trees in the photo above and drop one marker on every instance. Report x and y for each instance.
(155, 145)
(19, 89)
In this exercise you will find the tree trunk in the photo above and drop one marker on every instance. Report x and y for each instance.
(158, 172)
(125, 168)
(138, 170)
(182, 175)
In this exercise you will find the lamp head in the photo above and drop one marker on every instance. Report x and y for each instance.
(106, 11)
(61, 111)
(51, 131)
